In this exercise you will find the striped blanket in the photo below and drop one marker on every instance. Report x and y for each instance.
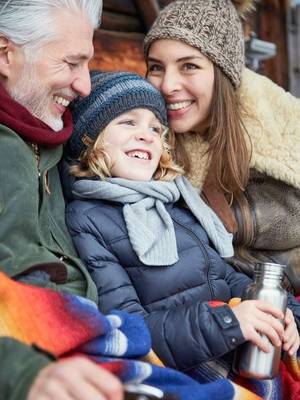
(65, 325)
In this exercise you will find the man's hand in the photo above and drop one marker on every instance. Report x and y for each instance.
(258, 317)
(290, 336)
(75, 379)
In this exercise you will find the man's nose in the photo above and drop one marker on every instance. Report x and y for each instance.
(82, 82)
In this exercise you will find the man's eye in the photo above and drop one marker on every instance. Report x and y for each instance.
(72, 65)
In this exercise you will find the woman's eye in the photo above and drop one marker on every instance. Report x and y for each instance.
(154, 68)
(190, 66)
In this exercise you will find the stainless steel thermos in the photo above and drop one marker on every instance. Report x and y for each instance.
(250, 361)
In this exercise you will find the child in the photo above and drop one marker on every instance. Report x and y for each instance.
(151, 244)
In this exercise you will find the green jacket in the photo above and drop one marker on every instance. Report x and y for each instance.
(32, 231)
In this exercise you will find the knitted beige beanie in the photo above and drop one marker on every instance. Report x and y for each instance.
(212, 26)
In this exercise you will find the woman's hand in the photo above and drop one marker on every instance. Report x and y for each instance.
(290, 337)
(258, 317)
(75, 378)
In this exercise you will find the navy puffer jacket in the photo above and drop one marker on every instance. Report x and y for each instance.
(186, 330)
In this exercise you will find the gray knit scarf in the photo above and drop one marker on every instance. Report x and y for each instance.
(150, 226)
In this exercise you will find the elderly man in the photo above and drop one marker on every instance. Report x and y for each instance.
(45, 48)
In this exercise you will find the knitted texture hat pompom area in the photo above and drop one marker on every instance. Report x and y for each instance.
(112, 94)
(212, 26)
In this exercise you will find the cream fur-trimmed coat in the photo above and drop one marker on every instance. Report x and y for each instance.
(272, 119)
(273, 124)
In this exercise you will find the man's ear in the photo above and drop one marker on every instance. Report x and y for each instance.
(6, 54)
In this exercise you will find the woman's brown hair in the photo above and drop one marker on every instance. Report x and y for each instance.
(229, 149)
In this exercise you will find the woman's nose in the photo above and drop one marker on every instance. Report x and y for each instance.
(170, 83)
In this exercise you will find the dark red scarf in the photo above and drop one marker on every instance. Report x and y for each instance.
(16, 117)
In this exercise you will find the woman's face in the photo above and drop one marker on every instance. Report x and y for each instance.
(185, 77)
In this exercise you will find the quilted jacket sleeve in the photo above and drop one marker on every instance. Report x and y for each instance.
(182, 336)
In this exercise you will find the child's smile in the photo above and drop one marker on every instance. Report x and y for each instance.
(140, 154)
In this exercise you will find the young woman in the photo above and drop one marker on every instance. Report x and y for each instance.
(236, 132)
(151, 244)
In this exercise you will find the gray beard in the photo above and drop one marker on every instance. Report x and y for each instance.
(31, 94)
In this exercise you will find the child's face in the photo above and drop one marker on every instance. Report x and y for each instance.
(134, 142)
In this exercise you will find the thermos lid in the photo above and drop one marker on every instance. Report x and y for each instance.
(269, 269)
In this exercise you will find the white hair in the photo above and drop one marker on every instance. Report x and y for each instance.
(29, 23)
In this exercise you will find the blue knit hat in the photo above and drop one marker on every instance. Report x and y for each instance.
(112, 94)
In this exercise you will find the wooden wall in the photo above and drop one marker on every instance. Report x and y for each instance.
(294, 50)
(269, 22)
(118, 43)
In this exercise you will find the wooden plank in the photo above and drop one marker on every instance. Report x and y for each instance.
(120, 6)
(269, 24)
(294, 50)
(148, 13)
(164, 3)
(272, 28)
(118, 52)
(122, 23)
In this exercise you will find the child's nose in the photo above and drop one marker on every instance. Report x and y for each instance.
(144, 136)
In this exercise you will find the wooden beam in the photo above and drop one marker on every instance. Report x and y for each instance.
(121, 22)
(120, 6)
(272, 27)
(118, 51)
(148, 12)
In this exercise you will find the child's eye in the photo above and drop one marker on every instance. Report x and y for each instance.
(156, 129)
(127, 122)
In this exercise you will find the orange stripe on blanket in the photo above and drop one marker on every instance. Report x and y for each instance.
(58, 330)
(244, 394)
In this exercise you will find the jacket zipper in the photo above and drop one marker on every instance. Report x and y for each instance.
(36, 152)
(195, 237)
(37, 155)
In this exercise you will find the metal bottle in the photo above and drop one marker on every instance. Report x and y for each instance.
(250, 361)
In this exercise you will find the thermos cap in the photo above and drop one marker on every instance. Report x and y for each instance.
(269, 269)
